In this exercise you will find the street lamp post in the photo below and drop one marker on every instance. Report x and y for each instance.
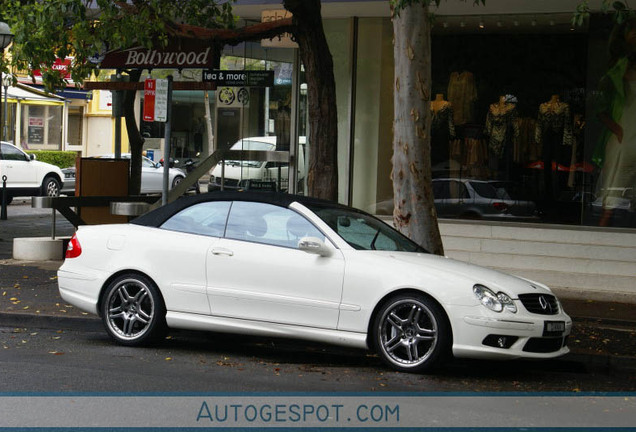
(5, 39)
(7, 80)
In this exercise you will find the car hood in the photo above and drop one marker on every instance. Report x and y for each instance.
(47, 167)
(445, 268)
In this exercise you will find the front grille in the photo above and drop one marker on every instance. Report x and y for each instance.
(542, 304)
(544, 345)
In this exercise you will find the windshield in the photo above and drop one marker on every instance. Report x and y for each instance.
(250, 145)
(363, 231)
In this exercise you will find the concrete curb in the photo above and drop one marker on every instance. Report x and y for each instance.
(89, 324)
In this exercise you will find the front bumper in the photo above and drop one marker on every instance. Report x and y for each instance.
(481, 334)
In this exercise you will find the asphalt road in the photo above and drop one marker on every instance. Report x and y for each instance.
(49, 360)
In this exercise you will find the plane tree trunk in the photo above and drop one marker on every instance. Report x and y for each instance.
(135, 139)
(322, 176)
(414, 208)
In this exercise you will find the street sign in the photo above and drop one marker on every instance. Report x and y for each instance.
(161, 101)
(149, 100)
(240, 78)
(177, 54)
(284, 40)
(155, 100)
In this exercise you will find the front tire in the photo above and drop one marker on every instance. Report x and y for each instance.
(176, 181)
(133, 311)
(51, 187)
(411, 333)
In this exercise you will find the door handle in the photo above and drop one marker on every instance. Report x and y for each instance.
(222, 251)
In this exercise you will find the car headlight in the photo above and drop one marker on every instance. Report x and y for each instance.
(495, 302)
(507, 302)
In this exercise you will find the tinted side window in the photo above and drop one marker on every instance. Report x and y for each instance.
(440, 189)
(206, 218)
(10, 152)
(457, 190)
(484, 189)
(268, 224)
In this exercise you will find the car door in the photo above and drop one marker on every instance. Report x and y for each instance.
(151, 176)
(178, 252)
(258, 273)
(17, 166)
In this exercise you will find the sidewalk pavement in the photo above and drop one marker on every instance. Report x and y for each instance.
(29, 295)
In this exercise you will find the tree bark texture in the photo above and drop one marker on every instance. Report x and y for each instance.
(135, 139)
(414, 207)
(322, 177)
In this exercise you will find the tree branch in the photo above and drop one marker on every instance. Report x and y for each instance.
(265, 30)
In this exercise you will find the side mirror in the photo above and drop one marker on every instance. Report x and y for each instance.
(314, 245)
(32, 156)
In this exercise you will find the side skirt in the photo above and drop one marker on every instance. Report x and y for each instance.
(260, 328)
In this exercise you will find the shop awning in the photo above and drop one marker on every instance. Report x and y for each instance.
(24, 93)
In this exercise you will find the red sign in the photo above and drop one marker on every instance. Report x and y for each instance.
(150, 88)
(63, 66)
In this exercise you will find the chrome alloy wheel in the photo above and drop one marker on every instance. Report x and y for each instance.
(51, 187)
(130, 309)
(408, 333)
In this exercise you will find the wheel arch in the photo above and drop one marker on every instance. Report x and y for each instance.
(115, 276)
(389, 296)
(53, 174)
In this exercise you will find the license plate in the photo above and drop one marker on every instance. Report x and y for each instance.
(553, 328)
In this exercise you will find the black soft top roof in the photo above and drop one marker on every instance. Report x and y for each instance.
(158, 216)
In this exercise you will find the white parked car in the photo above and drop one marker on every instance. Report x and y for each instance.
(27, 176)
(282, 265)
(151, 175)
(236, 173)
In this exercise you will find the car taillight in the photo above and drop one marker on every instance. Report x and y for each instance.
(500, 206)
(74, 249)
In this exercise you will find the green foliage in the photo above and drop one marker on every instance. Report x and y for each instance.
(620, 9)
(62, 159)
(47, 30)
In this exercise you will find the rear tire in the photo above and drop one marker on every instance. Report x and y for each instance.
(132, 310)
(411, 333)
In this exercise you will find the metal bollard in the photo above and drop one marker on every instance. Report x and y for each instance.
(3, 213)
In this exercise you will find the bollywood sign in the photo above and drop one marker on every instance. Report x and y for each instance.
(190, 55)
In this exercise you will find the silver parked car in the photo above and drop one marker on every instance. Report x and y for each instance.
(473, 199)
(151, 175)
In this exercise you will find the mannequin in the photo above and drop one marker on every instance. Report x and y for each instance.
(615, 153)
(442, 129)
(462, 93)
(502, 130)
(554, 134)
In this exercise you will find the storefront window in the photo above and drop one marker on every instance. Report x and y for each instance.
(41, 127)
(75, 121)
(9, 123)
(529, 119)
(504, 112)
(613, 200)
